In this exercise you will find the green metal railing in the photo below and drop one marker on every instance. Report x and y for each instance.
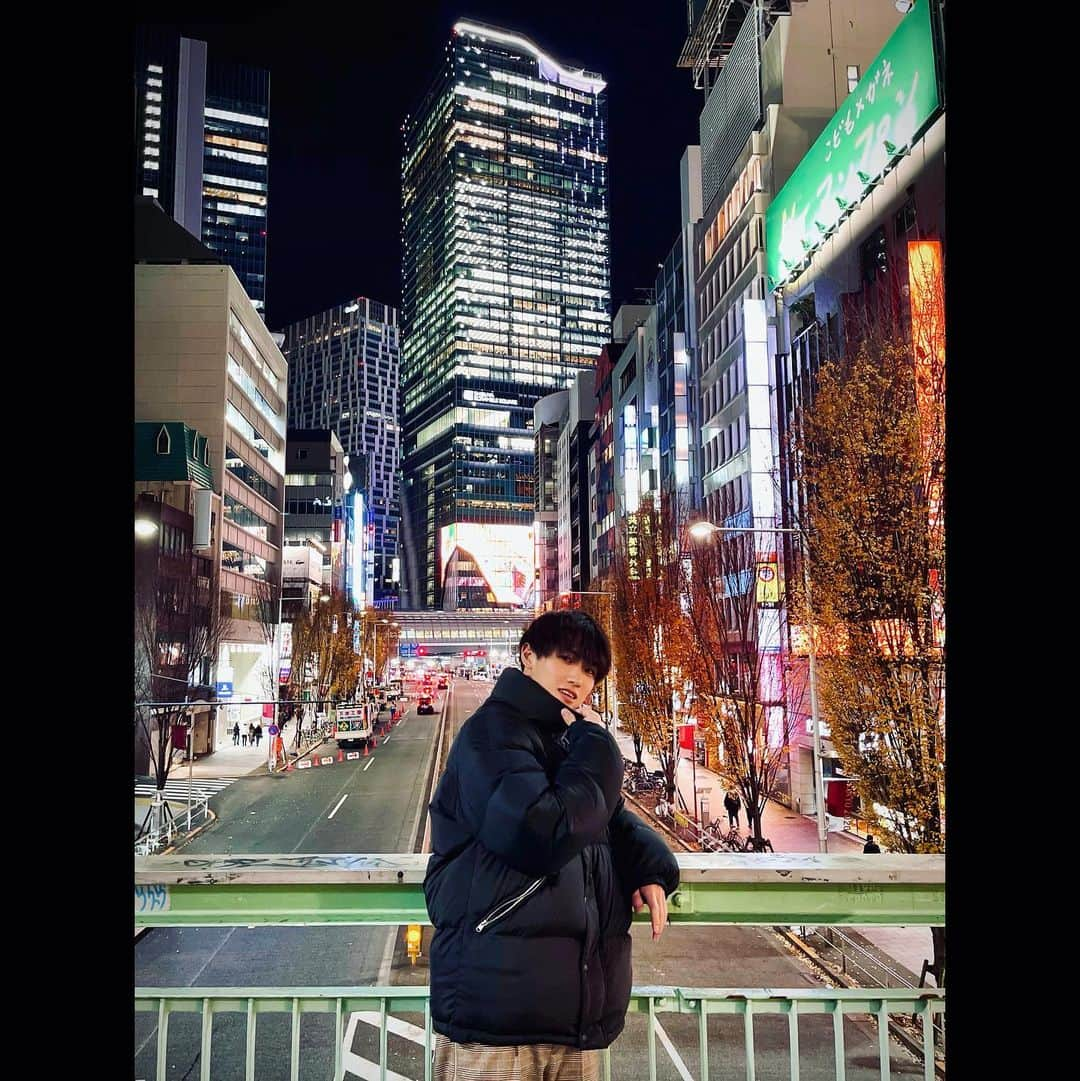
(241, 891)
(714, 889)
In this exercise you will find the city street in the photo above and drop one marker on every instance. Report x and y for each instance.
(368, 804)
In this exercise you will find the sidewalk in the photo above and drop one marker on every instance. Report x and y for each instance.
(791, 832)
(225, 761)
(230, 761)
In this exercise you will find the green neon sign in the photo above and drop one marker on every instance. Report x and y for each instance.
(877, 123)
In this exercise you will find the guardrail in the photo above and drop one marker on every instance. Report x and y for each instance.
(763, 889)
(173, 827)
(748, 1003)
(309, 890)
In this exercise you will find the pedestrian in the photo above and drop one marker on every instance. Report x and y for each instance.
(870, 846)
(236, 734)
(732, 804)
(258, 734)
(526, 821)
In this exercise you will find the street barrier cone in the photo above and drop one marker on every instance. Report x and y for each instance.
(366, 748)
(340, 755)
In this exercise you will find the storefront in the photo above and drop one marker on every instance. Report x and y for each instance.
(242, 674)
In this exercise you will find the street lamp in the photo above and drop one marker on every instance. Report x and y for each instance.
(145, 528)
(703, 530)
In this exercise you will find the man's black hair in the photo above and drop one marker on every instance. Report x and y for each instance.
(572, 635)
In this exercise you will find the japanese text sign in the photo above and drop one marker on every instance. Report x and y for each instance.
(879, 120)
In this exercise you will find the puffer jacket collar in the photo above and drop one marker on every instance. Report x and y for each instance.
(524, 694)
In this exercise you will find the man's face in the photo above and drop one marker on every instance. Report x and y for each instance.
(565, 680)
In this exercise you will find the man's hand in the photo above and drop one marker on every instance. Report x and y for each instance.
(653, 896)
(586, 711)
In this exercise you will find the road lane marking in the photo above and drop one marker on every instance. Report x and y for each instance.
(670, 1048)
(358, 1066)
(386, 741)
(336, 809)
(368, 766)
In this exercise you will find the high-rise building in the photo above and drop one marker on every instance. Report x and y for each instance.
(563, 509)
(343, 376)
(603, 505)
(774, 75)
(205, 359)
(202, 141)
(314, 508)
(549, 416)
(505, 295)
(676, 338)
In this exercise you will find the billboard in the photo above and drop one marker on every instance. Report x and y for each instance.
(889, 109)
(300, 564)
(503, 555)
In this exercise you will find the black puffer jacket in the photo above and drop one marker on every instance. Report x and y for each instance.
(534, 861)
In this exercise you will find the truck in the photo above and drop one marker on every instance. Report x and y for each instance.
(354, 723)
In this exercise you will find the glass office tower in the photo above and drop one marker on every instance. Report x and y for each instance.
(505, 294)
(343, 375)
(236, 168)
(202, 145)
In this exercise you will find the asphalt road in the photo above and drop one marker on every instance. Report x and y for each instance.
(291, 813)
(369, 804)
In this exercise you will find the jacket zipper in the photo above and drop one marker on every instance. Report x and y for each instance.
(507, 907)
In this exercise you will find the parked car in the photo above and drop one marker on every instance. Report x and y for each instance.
(424, 704)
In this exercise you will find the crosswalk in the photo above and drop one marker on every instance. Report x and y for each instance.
(177, 788)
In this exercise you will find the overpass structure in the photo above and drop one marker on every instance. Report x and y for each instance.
(445, 634)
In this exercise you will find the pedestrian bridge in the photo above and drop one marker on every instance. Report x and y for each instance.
(769, 890)
(448, 633)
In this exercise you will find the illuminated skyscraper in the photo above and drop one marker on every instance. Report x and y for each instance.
(202, 148)
(343, 376)
(505, 295)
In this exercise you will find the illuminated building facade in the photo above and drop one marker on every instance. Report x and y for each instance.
(549, 415)
(505, 295)
(870, 267)
(344, 376)
(563, 510)
(315, 506)
(204, 357)
(676, 338)
(202, 146)
(603, 510)
(764, 105)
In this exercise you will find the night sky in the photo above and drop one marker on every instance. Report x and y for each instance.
(341, 85)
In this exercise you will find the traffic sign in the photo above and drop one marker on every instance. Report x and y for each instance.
(224, 690)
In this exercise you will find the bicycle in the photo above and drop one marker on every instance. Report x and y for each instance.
(731, 840)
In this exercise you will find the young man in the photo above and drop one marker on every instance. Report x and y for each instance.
(535, 868)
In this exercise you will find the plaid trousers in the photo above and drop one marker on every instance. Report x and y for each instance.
(526, 1062)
